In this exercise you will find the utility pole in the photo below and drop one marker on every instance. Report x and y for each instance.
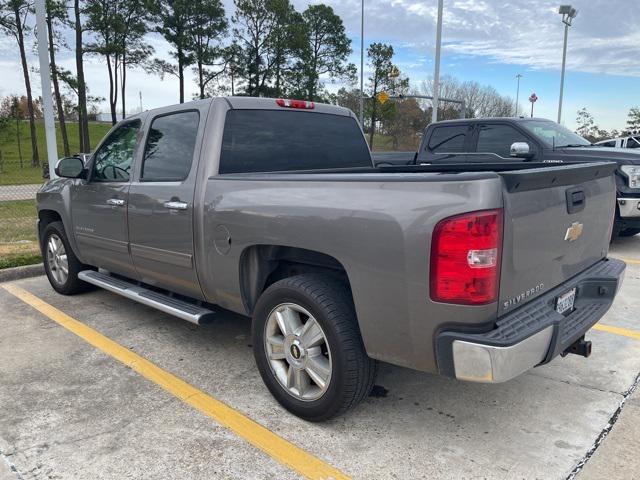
(362, 66)
(45, 79)
(568, 14)
(564, 62)
(140, 92)
(436, 74)
(518, 76)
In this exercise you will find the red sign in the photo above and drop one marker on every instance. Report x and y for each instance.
(533, 98)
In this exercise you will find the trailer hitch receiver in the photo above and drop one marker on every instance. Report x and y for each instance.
(580, 347)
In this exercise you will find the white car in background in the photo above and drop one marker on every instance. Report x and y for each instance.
(632, 141)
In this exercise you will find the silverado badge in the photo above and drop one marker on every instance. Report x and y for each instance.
(573, 232)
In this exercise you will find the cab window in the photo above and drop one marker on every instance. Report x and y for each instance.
(633, 142)
(497, 139)
(170, 146)
(112, 161)
(448, 139)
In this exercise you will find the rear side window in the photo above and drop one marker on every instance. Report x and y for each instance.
(448, 139)
(612, 143)
(168, 152)
(498, 139)
(633, 142)
(273, 140)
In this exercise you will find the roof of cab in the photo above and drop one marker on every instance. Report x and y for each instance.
(249, 103)
(260, 103)
(493, 119)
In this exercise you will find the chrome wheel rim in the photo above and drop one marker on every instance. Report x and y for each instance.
(298, 352)
(57, 259)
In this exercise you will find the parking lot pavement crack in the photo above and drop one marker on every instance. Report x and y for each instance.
(605, 431)
(568, 382)
(12, 468)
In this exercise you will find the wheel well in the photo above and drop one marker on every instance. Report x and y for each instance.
(263, 265)
(46, 217)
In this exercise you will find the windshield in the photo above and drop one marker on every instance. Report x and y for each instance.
(547, 130)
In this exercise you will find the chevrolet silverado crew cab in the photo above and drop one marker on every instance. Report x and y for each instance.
(273, 209)
(492, 140)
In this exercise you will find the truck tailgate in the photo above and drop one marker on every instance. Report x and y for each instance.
(557, 222)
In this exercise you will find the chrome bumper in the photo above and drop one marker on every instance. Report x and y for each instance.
(490, 364)
(533, 334)
(629, 207)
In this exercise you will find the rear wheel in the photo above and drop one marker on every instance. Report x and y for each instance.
(60, 263)
(629, 232)
(308, 347)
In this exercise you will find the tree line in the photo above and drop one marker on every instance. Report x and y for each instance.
(266, 48)
(588, 128)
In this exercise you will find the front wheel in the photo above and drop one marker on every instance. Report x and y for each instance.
(308, 347)
(60, 263)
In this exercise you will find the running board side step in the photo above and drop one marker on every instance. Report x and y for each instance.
(179, 308)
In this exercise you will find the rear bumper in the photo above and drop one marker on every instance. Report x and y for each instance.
(533, 334)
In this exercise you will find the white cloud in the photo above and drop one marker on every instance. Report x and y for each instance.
(604, 38)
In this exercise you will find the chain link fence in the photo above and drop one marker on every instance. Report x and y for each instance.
(19, 182)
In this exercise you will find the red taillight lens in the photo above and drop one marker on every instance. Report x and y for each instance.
(465, 258)
(302, 104)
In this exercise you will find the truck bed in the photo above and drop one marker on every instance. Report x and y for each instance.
(377, 223)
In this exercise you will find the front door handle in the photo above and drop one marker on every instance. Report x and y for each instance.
(176, 205)
(115, 202)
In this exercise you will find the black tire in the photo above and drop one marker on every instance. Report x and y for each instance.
(330, 303)
(629, 232)
(72, 284)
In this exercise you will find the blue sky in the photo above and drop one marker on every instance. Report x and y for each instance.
(488, 41)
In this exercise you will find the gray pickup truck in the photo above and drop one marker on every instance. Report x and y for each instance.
(273, 209)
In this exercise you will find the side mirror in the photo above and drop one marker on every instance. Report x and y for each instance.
(70, 167)
(520, 150)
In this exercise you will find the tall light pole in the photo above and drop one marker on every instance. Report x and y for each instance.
(518, 76)
(362, 66)
(568, 14)
(45, 79)
(436, 73)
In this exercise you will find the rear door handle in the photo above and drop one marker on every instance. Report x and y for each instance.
(115, 202)
(176, 205)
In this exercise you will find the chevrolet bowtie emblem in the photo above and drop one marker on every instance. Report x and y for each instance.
(573, 232)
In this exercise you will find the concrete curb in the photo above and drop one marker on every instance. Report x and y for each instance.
(17, 273)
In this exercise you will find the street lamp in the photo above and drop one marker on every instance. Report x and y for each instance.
(518, 76)
(568, 14)
(362, 66)
(47, 101)
(436, 73)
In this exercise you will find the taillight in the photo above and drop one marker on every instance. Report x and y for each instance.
(465, 258)
(302, 104)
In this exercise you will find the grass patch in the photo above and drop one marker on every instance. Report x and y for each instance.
(384, 143)
(18, 237)
(18, 254)
(12, 173)
(17, 221)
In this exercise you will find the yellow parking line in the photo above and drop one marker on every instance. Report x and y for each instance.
(628, 260)
(278, 448)
(625, 332)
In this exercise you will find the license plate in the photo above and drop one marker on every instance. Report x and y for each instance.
(564, 303)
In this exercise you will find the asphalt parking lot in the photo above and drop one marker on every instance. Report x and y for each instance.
(69, 409)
